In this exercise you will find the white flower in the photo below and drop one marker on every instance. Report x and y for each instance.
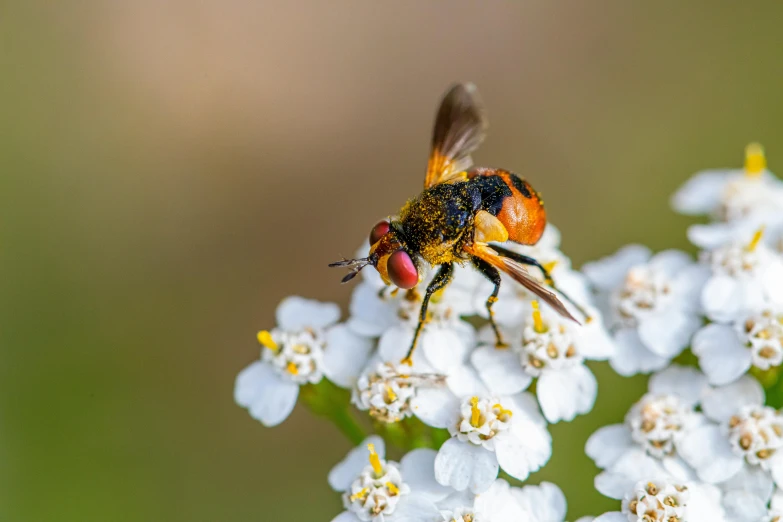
(746, 496)
(664, 500)
(651, 304)
(748, 434)
(746, 275)
(487, 432)
(377, 490)
(387, 390)
(726, 351)
(653, 427)
(553, 350)
(305, 346)
(731, 194)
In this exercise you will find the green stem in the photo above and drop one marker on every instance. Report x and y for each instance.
(327, 400)
(348, 425)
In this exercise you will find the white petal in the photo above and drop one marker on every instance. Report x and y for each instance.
(678, 468)
(564, 394)
(345, 356)
(608, 444)
(497, 504)
(464, 381)
(525, 406)
(594, 342)
(343, 474)
(701, 193)
(269, 397)
(721, 354)
(546, 501)
(668, 333)
(462, 465)
(743, 506)
(721, 403)
(775, 465)
(524, 449)
(436, 407)
(607, 273)
(773, 282)
(415, 508)
(723, 298)
(371, 315)
(634, 465)
(418, 471)
(632, 355)
(670, 261)
(444, 348)
(753, 480)
(500, 370)
(295, 313)
(394, 344)
(688, 286)
(710, 454)
(689, 384)
(711, 235)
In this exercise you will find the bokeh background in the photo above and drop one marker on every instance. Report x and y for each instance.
(171, 170)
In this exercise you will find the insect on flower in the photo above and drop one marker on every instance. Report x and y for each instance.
(461, 210)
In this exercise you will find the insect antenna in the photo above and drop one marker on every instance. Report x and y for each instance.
(355, 266)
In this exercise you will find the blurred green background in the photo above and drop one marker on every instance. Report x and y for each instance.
(171, 170)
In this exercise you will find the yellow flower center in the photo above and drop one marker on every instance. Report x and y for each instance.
(755, 160)
(265, 339)
(394, 490)
(375, 460)
(538, 323)
(390, 395)
(361, 494)
(754, 242)
(292, 368)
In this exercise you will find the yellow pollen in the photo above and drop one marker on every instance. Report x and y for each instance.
(538, 323)
(375, 461)
(362, 494)
(292, 368)
(756, 239)
(265, 338)
(755, 161)
(390, 394)
(394, 490)
(475, 414)
(550, 266)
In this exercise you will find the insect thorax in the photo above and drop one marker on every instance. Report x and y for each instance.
(439, 222)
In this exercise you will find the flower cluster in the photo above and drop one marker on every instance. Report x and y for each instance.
(700, 445)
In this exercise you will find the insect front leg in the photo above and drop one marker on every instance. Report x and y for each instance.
(441, 279)
(526, 260)
(491, 273)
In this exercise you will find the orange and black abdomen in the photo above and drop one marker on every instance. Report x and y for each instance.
(513, 201)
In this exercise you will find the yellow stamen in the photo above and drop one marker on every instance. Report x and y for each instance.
(538, 323)
(475, 414)
(755, 160)
(292, 368)
(265, 338)
(501, 411)
(394, 490)
(390, 394)
(756, 239)
(361, 494)
(375, 460)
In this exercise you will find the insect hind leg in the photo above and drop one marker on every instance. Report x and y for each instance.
(441, 280)
(527, 260)
(491, 273)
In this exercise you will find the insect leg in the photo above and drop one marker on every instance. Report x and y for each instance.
(441, 279)
(527, 260)
(491, 273)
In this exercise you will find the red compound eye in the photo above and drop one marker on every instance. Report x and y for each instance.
(402, 270)
(378, 231)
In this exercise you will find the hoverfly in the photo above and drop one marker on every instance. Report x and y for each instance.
(461, 210)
